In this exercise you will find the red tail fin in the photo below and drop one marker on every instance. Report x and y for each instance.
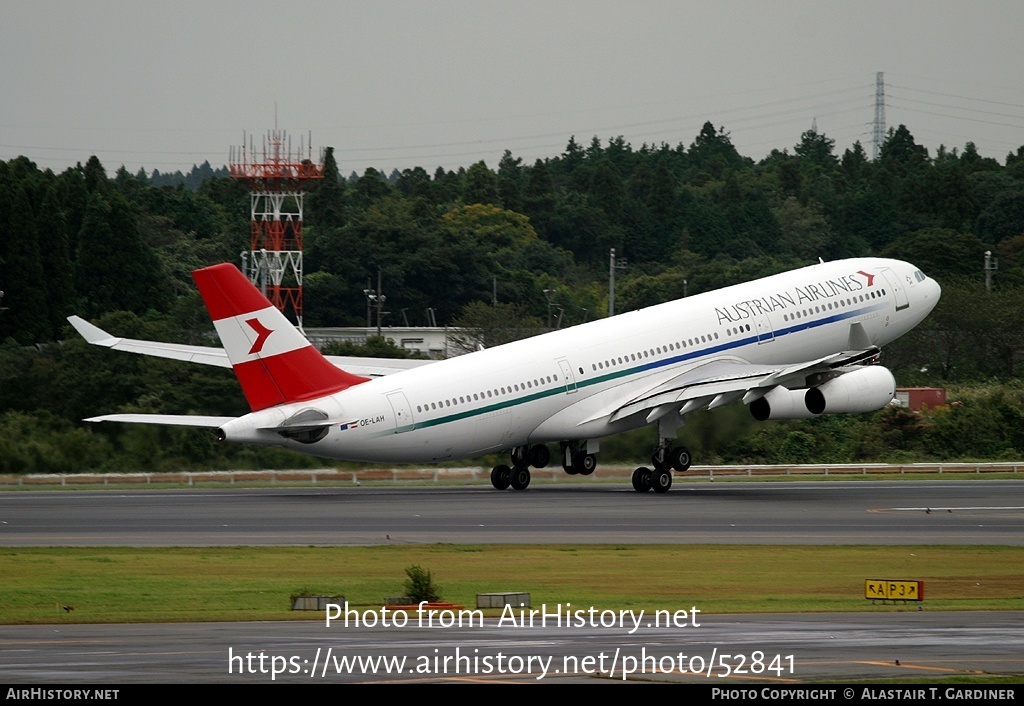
(274, 363)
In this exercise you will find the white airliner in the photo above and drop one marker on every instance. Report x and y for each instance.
(791, 346)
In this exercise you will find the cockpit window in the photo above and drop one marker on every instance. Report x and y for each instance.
(919, 276)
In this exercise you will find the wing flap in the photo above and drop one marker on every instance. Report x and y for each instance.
(724, 380)
(706, 381)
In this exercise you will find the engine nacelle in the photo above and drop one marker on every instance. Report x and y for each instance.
(781, 403)
(862, 390)
(865, 390)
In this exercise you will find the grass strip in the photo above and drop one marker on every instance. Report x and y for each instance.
(120, 584)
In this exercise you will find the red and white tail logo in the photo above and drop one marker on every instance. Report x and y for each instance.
(274, 363)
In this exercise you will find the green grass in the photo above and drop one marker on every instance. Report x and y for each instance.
(246, 583)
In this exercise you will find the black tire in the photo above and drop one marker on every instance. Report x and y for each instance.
(520, 478)
(584, 463)
(661, 480)
(642, 479)
(680, 458)
(519, 455)
(501, 477)
(539, 456)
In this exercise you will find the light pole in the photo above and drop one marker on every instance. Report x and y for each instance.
(371, 296)
(991, 265)
(380, 301)
(612, 266)
(374, 300)
(549, 294)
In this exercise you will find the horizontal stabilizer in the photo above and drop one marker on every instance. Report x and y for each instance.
(175, 420)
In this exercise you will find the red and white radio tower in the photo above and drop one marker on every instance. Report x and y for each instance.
(278, 179)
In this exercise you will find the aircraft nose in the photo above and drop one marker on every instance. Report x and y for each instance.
(932, 292)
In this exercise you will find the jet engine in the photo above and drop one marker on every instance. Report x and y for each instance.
(865, 389)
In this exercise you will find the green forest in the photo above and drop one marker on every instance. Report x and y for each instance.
(486, 245)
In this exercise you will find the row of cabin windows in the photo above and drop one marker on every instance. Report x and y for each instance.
(650, 353)
(488, 394)
(860, 298)
(633, 357)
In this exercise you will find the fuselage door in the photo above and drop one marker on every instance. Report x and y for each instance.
(403, 412)
(765, 332)
(893, 279)
(567, 376)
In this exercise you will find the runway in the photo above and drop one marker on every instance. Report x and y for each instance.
(725, 650)
(832, 512)
(892, 643)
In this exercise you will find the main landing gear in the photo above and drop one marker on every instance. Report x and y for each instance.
(665, 459)
(518, 476)
(576, 460)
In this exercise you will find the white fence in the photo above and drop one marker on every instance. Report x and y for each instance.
(481, 475)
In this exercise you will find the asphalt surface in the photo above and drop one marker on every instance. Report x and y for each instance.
(833, 512)
(724, 650)
(894, 643)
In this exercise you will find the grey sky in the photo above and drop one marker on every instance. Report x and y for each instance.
(395, 84)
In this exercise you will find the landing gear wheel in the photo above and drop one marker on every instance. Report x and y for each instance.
(661, 480)
(539, 455)
(519, 454)
(679, 458)
(520, 478)
(584, 463)
(642, 479)
(571, 470)
(501, 477)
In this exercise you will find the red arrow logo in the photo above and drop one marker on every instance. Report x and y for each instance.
(871, 278)
(262, 334)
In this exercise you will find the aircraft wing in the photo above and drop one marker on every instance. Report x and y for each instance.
(206, 355)
(193, 354)
(721, 381)
(375, 367)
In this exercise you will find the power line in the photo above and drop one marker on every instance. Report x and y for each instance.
(739, 117)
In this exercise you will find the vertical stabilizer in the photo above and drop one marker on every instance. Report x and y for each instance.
(274, 363)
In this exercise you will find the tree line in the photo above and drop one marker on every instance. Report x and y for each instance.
(481, 246)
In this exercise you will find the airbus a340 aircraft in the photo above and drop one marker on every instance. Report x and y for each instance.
(790, 346)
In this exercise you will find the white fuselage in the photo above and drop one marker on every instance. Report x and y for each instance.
(564, 385)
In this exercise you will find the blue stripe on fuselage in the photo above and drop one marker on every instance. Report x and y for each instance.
(653, 365)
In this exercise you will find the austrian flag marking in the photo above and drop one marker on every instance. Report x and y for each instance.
(262, 334)
(871, 278)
